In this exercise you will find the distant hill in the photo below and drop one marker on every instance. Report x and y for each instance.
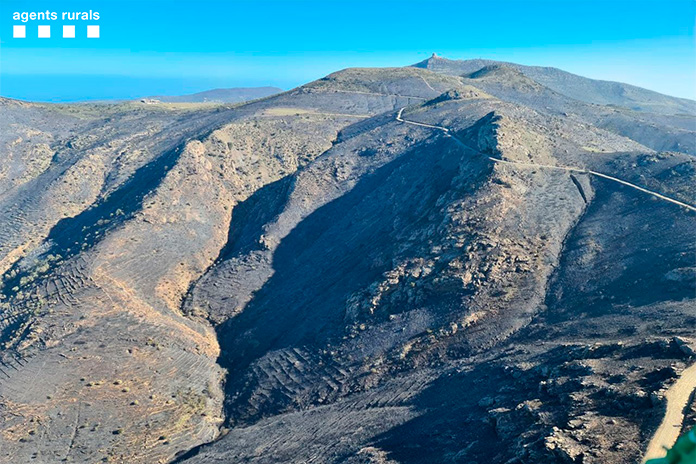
(233, 95)
(655, 120)
(571, 85)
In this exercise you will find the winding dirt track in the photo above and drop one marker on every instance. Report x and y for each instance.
(546, 166)
(677, 398)
(428, 84)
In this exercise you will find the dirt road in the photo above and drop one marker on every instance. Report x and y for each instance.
(677, 398)
(399, 117)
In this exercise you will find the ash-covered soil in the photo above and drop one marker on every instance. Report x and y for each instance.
(397, 265)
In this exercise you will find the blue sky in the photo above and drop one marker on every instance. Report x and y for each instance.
(152, 47)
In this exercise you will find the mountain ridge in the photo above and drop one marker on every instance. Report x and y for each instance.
(599, 91)
(387, 265)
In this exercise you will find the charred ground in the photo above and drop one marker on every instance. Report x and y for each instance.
(308, 278)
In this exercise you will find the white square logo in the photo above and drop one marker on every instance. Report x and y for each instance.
(69, 32)
(19, 32)
(44, 32)
(92, 32)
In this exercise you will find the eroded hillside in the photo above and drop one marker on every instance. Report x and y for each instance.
(385, 265)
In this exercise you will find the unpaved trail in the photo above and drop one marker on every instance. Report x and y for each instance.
(428, 84)
(677, 397)
(399, 117)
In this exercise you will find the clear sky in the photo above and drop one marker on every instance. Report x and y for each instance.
(155, 47)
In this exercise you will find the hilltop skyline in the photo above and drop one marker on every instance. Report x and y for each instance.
(175, 48)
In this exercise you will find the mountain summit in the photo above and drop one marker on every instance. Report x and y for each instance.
(574, 86)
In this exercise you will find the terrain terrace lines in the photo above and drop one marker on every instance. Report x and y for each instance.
(449, 133)
(360, 92)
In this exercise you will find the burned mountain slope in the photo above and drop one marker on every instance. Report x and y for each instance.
(657, 121)
(384, 265)
(95, 291)
(427, 265)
